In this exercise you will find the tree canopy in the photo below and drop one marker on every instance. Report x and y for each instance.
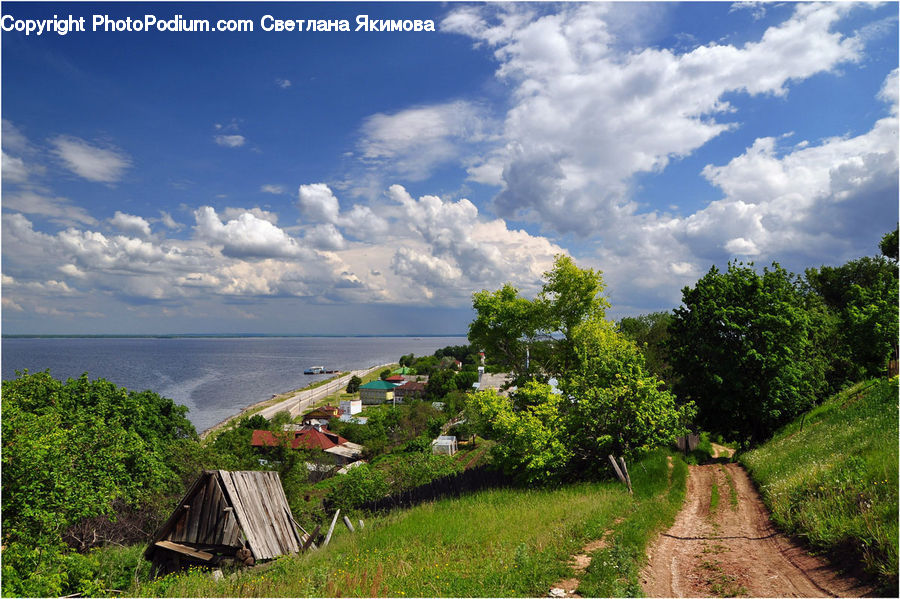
(742, 346)
(606, 401)
(534, 337)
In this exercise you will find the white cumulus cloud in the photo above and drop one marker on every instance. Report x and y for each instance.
(129, 223)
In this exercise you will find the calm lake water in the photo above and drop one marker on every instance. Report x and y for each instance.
(214, 377)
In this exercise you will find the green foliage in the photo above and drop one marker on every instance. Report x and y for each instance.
(466, 354)
(358, 487)
(384, 373)
(70, 449)
(742, 345)
(354, 383)
(888, 245)
(617, 407)
(464, 380)
(831, 478)
(531, 338)
(530, 444)
(651, 332)
(860, 310)
(570, 297)
(400, 473)
(504, 325)
(440, 384)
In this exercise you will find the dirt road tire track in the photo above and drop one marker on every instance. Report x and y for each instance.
(734, 550)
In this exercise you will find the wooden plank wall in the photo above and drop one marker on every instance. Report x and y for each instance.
(230, 508)
(207, 519)
(259, 506)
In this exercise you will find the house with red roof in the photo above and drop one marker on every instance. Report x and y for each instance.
(310, 437)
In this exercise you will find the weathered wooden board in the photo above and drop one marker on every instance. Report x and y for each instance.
(185, 550)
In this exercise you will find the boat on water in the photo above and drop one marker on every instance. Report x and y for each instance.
(319, 370)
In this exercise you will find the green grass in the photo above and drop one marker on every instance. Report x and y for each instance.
(835, 482)
(713, 497)
(732, 489)
(500, 543)
(659, 494)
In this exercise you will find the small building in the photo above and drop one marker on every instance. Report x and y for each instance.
(444, 445)
(376, 392)
(227, 517)
(310, 437)
(410, 390)
(396, 379)
(320, 416)
(349, 407)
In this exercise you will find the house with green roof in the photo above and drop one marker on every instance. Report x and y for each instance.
(376, 392)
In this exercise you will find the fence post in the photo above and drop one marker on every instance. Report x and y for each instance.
(616, 468)
(627, 478)
(331, 529)
(348, 524)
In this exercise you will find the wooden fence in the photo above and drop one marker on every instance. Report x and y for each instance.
(689, 441)
(468, 481)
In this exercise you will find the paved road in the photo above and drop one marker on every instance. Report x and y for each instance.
(301, 401)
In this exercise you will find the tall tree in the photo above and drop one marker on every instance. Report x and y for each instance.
(862, 297)
(742, 345)
(616, 405)
(534, 337)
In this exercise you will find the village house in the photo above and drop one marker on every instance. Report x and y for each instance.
(321, 416)
(349, 407)
(309, 437)
(410, 390)
(376, 392)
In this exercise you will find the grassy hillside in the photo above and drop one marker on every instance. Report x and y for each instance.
(500, 543)
(834, 483)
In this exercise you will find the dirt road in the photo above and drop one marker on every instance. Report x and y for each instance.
(724, 544)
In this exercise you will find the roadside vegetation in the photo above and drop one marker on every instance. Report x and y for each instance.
(830, 478)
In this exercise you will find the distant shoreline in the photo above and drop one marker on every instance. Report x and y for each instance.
(225, 336)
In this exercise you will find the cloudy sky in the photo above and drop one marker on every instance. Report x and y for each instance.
(368, 182)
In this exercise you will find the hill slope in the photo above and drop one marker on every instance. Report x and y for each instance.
(830, 477)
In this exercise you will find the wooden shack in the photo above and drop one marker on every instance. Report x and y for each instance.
(239, 517)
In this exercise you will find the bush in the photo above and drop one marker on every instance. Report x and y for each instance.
(358, 487)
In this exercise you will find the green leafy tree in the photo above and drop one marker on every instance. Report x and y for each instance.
(71, 450)
(888, 245)
(440, 384)
(353, 384)
(742, 345)
(570, 297)
(651, 332)
(616, 406)
(531, 338)
(531, 444)
(503, 327)
(862, 298)
(384, 373)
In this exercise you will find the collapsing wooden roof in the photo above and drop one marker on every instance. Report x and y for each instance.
(225, 511)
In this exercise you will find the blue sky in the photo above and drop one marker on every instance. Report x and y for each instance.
(360, 182)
